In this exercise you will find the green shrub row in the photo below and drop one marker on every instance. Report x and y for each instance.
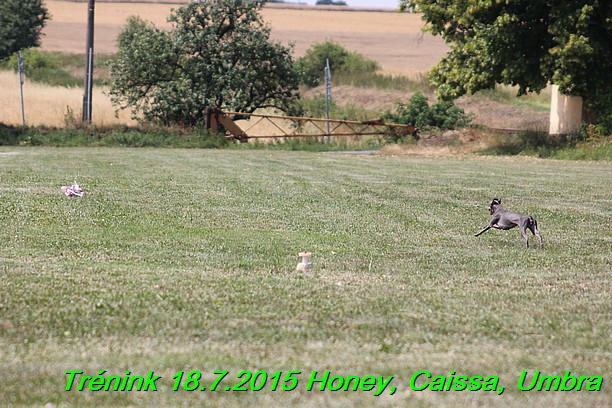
(119, 137)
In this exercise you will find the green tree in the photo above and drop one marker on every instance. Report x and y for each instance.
(21, 23)
(218, 53)
(526, 43)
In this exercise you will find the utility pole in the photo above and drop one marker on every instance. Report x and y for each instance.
(89, 63)
(21, 73)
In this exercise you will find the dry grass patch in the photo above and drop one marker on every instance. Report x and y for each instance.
(450, 143)
(52, 105)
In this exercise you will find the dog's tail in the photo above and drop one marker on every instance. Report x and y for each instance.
(532, 224)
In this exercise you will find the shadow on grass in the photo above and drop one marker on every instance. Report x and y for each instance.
(543, 145)
(503, 150)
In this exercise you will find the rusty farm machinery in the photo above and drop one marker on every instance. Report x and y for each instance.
(278, 126)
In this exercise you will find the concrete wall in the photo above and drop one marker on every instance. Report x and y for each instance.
(565, 113)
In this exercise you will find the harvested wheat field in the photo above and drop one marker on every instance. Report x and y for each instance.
(392, 39)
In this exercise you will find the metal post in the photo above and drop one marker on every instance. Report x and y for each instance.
(327, 95)
(89, 63)
(90, 86)
(21, 80)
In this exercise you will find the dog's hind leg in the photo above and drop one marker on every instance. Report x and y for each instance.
(524, 234)
(533, 227)
(537, 234)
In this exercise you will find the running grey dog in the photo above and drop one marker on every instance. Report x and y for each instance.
(505, 220)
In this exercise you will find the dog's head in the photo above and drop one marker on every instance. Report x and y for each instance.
(494, 205)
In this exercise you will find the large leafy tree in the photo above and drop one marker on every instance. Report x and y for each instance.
(21, 23)
(527, 43)
(218, 53)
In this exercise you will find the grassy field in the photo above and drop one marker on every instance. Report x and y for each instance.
(182, 260)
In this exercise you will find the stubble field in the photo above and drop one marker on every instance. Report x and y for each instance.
(392, 39)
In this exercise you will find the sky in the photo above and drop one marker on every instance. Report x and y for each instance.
(362, 3)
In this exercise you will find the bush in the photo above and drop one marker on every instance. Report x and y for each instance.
(312, 65)
(417, 112)
(599, 106)
(356, 63)
(9, 135)
(42, 67)
(33, 59)
(591, 133)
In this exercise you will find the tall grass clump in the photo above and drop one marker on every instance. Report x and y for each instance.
(314, 144)
(505, 94)
(601, 151)
(316, 108)
(589, 143)
(386, 82)
(121, 137)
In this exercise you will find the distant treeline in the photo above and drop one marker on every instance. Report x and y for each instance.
(301, 3)
(318, 3)
(330, 3)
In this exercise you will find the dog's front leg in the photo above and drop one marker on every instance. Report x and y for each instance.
(483, 230)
